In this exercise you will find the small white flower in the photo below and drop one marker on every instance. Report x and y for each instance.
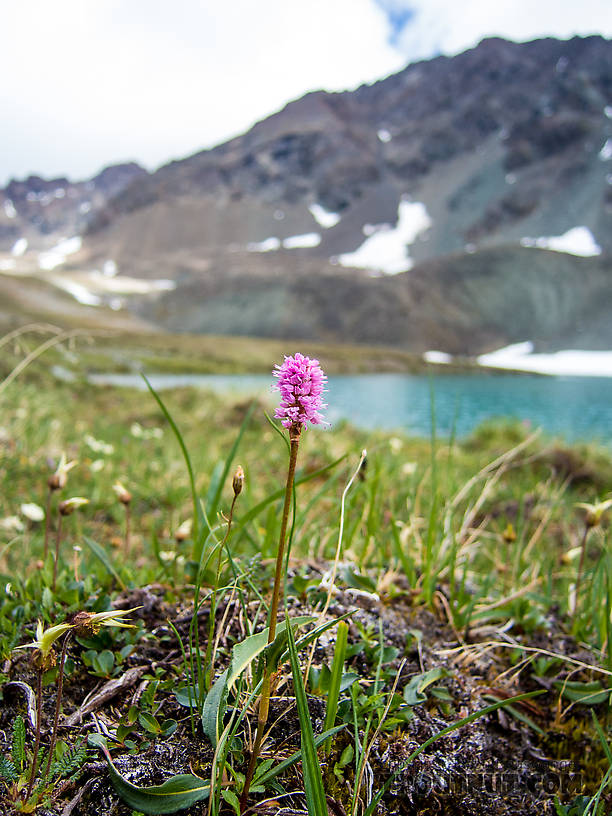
(12, 524)
(98, 445)
(97, 465)
(32, 511)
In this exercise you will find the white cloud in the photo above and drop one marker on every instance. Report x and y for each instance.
(111, 80)
(447, 27)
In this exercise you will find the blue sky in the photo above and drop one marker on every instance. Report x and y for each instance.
(91, 82)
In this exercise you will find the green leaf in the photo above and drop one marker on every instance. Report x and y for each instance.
(213, 709)
(243, 655)
(591, 693)
(18, 747)
(103, 557)
(222, 469)
(149, 723)
(176, 793)
(104, 662)
(313, 778)
(414, 691)
(231, 799)
(199, 519)
(335, 679)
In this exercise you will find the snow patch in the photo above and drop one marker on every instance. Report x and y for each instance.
(605, 154)
(109, 269)
(576, 241)
(267, 245)
(78, 291)
(384, 135)
(570, 363)
(323, 217)
(305, 241)
(19, 247)
(385, 248)
(9, 208)
(57, 256)
(438, 357)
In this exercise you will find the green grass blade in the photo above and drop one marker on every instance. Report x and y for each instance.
(278, 494)
(101, 555)
(199, 519)
(213, 504)
(336, 678)
(313, 779)
(443, 733)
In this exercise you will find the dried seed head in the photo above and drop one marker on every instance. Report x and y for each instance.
(238, 482)
(67, 508)
(124, 495)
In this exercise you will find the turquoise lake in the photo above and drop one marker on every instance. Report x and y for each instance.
(573, 407)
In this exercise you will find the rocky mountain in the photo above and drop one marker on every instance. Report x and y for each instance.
(461, 204)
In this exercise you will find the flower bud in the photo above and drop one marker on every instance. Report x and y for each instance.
(57, 480)
(67, 508)
(124, 495)
(238, 482)
(183, 531)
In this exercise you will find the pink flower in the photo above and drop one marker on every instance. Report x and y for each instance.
(300, 382)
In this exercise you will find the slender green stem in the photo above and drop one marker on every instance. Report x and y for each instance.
(295, 441)
(39, 674)
(208, 669)
(58, 539)
(58, 702)
(581, 564)
(128, 519)
(47, 523)
(264, 699)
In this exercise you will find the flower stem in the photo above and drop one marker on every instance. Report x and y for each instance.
(581, 565)
(208, 657)
(39, 675)
(266, 688)
(47, 523)
(58, 702)
(58, 538)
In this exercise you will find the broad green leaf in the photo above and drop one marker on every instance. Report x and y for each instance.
(245, 652)
(213, 709)
(231, 799)
(243, 655)
(414, 691)
(177, 793)
(591, 693)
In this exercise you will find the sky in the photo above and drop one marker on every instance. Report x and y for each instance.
(88, 83)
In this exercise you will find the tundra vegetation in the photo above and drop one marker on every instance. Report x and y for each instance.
(195, 618)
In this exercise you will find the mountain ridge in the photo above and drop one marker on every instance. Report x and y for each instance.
(449, 168)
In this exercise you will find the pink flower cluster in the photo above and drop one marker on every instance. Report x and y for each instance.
(300, 382)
